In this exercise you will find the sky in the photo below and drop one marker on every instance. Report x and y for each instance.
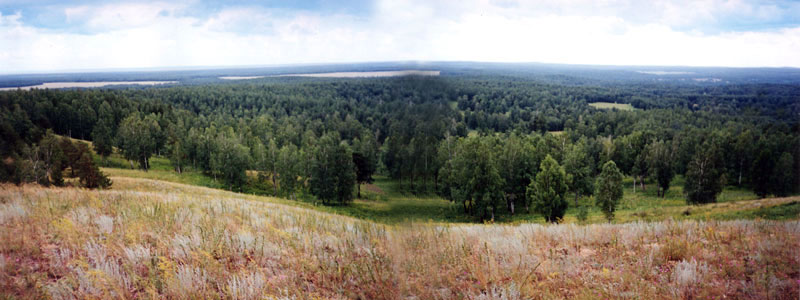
(57, 35)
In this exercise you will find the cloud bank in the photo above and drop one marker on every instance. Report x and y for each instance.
(47, 36)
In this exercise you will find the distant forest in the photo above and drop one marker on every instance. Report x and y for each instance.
(481, 141)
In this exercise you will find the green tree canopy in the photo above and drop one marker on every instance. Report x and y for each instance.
(579, 167)
(783, 175)
(333, 174)
(288, 169)
(470, 176)
(547, 193)
(705, 176)
(365, 158)
(138, 139)
(517, 162)
(659, 161)
(103, 132)
(609, 189)
(230, 159)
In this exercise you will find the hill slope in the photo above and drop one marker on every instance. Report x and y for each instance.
(149, 238)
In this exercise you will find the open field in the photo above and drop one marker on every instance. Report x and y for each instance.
(90, 84)
(150, 239)
(609, 105)
(366, 74)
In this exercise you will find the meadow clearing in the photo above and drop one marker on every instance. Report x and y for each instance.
(154, 239)
(609, 105)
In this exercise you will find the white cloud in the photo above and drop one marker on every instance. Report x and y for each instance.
(121, 16)
(581, 32)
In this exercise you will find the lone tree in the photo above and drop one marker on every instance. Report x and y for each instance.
(609, 189)
(547, 192)
(705, 175)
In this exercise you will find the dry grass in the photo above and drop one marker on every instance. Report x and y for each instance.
(149, 239)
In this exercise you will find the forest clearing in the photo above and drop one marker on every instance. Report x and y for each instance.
(608, 105)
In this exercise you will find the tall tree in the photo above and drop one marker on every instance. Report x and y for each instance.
(471, 178)
(783, 175)
(333, 175)
(365, 158)
(579, 167)
(138, 139)
(517, 162)
(705, 174)
(53, 158)
(288, 170)
(230, 158)
(272, 162)
(641, 170)
(31, 167)
(71, 154)
(743, 153)
(548, 191)
(103, 132)
(659, 161)
(609, 189)
(178, 146)
(763, 168)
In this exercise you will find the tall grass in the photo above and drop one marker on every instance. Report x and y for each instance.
(149, 239)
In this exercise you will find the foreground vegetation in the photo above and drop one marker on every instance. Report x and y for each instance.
(147, 239)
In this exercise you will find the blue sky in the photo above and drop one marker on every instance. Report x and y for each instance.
(48, 35)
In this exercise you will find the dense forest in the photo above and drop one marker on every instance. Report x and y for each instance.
(492, 144)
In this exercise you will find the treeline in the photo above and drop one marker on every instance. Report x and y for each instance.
(506, 172)
(317, 138)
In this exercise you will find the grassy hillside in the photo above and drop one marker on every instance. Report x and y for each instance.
(151, 239)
